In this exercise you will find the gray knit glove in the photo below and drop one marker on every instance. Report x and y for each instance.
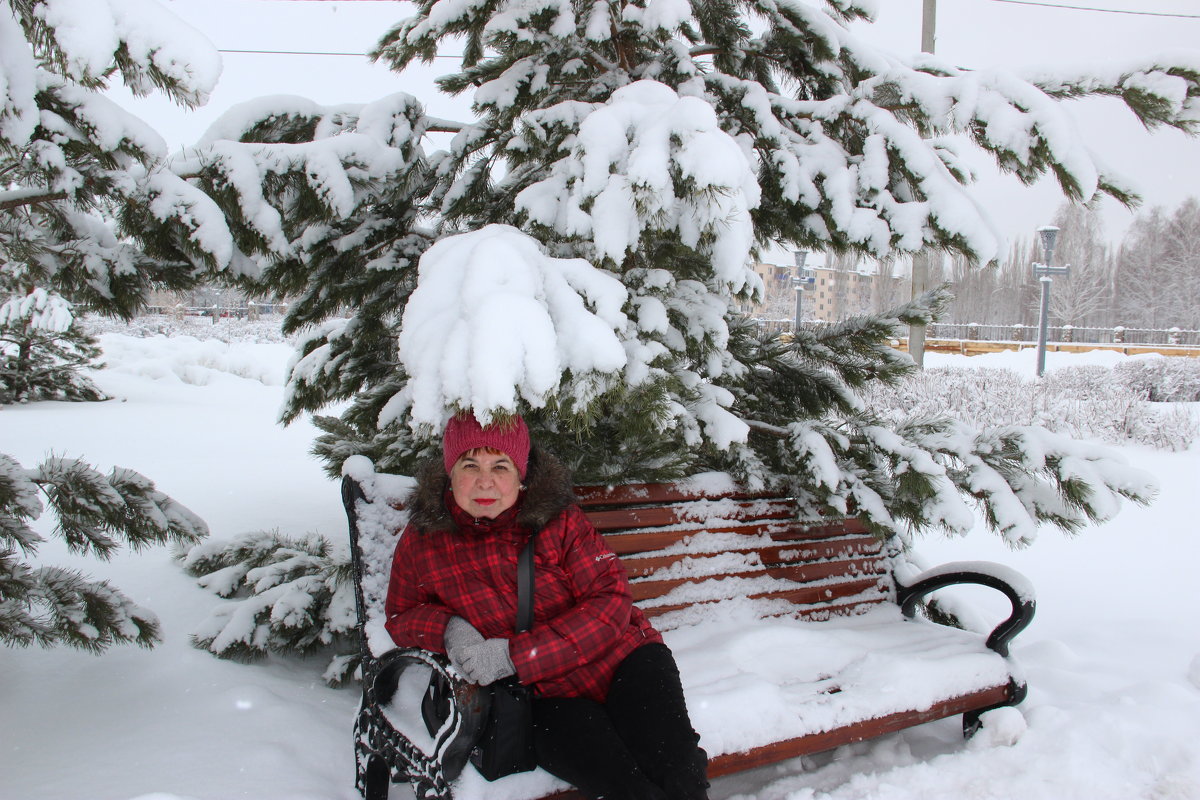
(459, 635)
(487, 662)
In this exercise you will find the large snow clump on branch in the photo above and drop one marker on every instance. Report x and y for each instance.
(494, 320)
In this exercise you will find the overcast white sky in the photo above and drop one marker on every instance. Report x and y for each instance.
(972, 33)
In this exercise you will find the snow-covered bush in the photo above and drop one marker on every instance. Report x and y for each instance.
(1093, 402)
(229, 330)
(1162, 380)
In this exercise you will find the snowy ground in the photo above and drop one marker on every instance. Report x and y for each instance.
(1113, 659)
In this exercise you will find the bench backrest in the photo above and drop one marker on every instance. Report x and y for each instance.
(703, 541)
(685, 546)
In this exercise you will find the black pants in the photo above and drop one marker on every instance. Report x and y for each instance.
(637, 745)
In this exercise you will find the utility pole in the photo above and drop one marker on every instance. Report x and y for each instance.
(928, 25)
(920, 261)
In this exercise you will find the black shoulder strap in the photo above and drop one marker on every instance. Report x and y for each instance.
(525, 587)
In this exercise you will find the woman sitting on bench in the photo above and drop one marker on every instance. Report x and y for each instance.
(608, 709)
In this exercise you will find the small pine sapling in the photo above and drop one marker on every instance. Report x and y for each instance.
(43, 350)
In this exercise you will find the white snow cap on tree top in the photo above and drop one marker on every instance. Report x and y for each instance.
(650, 159)
(494, 319)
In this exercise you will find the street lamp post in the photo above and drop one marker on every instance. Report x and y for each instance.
(801, 281)
(1045, 273)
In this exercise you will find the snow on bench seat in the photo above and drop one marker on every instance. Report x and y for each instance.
(752, 682)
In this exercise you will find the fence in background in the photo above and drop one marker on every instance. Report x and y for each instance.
(975, 339)
(1066, 334)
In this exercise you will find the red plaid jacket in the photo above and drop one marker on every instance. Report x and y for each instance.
(585, 622)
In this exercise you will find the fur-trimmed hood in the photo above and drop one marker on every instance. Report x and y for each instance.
(548, 492)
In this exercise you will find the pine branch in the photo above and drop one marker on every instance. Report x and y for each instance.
(16, 199)
(288, 596)
(49, 605)
(87, 615)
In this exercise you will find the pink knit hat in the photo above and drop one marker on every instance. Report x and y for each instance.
(463, 433)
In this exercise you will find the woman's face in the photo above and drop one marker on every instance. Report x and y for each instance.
(484, 484)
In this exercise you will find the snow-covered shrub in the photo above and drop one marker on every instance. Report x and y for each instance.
(976, 397)
(230, 330)
(287, 596)
(1162, 380)
(1086, 402)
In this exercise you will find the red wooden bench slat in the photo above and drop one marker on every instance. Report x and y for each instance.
(650, 493)
(639, 566)
(797, 573)
(868, 729)
(805, 595)
(660, 516)
(626, 544)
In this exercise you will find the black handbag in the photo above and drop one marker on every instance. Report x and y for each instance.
(504, 744)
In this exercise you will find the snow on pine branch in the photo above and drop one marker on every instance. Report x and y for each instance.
(95, 513)
(937, 473)
(87, 41)
(38, 310)
(89, 35)
(95, 510)
(280, 171)
(876, 162)
(650, 160)
(1021, 120)
(1162, 89)
(332, 170)
(286, 596)
(494, 321)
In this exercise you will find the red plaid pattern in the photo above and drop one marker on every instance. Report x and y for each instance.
(585, 622)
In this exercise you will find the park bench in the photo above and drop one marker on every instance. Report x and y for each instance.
(793, 637)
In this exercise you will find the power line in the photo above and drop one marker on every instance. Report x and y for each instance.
(1014, 2)
(1102, 10)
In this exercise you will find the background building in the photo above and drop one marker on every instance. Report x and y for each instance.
(842, 286)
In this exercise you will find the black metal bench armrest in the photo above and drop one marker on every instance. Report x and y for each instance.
(908, 596)
(467, 708)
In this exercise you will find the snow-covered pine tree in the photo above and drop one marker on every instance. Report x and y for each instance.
(580, 249)
(71, 157)
(42, 349)
(71, 160)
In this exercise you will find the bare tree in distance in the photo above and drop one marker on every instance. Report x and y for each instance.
(1085, 296)
(1156, 269)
